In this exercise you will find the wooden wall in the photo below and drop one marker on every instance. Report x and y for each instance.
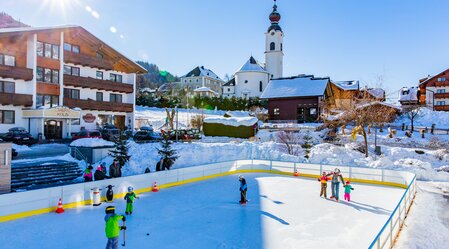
(16, 46)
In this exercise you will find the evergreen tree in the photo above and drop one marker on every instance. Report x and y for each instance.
(166, 151)
(307, 145)
(120, 151)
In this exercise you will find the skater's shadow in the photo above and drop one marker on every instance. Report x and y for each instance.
(274, 217)
(365, 207)
(275, 202)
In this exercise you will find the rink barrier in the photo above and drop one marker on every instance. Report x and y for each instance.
(34, 202)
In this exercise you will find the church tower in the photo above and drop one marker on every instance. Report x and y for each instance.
(273, 47)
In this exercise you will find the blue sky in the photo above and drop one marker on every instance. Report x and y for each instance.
(392, 43)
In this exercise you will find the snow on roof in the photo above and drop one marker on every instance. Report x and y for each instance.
(237, 114)
(252, 65)
(409, 94)
(91, 142)
(202, 72)
(378, 103)
(378, 93)
(232, 121)
(204, 89)
(30, 29)
(347, 85)
(302, 86)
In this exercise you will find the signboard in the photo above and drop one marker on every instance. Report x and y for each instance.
(89, 118)
(57, 112)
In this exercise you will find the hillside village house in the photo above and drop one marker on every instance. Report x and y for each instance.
(58, 80)
(434, 91)
(201, 77)
(409, 97)
(341, 95)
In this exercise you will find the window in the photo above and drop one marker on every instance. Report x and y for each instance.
(48, 75)
(276, 111)
(117, 98)
(47, 101)
(75, 71)
(281, 46)
(99, 56)
(99, 96)
(72, 48)
(72, 93)
(229, 89)
(7, 117)
(312, 111)
(7, 60)
(115, 77)
(441, 90)
(48, 50)
(99, 75)
(7, 87)
(260, 86)
(442, 79)
(441, 102)
(272, 46)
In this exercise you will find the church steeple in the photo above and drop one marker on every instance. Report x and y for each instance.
(275, 17)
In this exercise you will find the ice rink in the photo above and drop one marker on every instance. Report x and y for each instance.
(283, 212)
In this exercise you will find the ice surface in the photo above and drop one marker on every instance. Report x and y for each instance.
(283, 212)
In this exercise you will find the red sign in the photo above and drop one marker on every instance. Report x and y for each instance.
(89, 118)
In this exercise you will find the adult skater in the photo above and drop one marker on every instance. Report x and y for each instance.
(115, 169)
(335, 183)
(243, 189)
(130, 197)
(112, 227)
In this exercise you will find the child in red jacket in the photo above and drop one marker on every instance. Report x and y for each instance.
(323, 179)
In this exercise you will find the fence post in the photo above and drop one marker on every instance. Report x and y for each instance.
(271, 165)
(350, 172)
(294, 167)
(383, 177)
(391, 232)
(321, 168)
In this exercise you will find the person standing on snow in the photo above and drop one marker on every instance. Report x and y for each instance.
(115, 169)
(130, 197)
(112, 227)
(323, 180)
(243, 189)
(88, 174)
(348, 189)
(335, 183)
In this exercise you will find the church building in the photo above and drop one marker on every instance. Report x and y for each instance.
(253, 77)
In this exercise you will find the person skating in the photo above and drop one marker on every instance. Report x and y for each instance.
(88, 174)
(323, 180)
(348, 189)
(243, 189)
(112, 227)
(130, 197)
(335, 183)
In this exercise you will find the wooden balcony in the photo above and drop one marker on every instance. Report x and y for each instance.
(16, 99)
(89, 104)
(88, 61)
(441, 95)
(441, 84)
(91, 83)
(441, 107)
(17, 73)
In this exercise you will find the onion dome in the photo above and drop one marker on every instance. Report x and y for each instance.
(275, 17)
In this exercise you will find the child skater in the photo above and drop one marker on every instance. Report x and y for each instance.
(348, 189)
(129, 197)
(323, 179)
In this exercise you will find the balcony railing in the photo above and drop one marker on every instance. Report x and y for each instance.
(16, 99)
(91, 83)
(442, 95)
(89, 61)
(16, 73)
(89, 104)
(441, 107)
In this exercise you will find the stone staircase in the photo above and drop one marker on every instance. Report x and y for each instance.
(27, 176)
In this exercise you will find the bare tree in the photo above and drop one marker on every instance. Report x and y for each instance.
(413, 112)
(291, 140)
(170, 117)
(197, 121)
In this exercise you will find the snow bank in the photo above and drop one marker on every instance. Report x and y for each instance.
(427, 117)
(20, 148)
(232, 121)
(91, 142)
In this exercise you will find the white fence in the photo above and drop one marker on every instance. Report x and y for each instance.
(23, 204)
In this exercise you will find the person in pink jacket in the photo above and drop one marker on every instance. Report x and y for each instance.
(88, 174)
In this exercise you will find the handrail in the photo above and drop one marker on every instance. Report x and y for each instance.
(377, 238)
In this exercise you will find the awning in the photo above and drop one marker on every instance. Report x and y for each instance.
(57, 112)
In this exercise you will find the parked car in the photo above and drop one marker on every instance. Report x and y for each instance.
(19, 135)
(87, 134)
(147, 136)
(184, 135)
(110, 133)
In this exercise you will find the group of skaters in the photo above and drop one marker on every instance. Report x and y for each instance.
(335, 177)
(115, 170)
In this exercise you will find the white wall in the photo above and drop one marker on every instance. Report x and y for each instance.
(252, 86)
(19, 121)
(274, 59)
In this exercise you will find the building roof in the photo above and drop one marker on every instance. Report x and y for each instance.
(408, 94)
(299, 86)
(252, 66)
(230, 83)
(205, 89)
(201, 71)
(130, 65)
(429, 77)
(377, 93)
(347, 85)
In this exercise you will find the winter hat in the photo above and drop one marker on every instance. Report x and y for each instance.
(110, 210)
(240, 177)
(348, 182)
(99, 167)
(90, 167)
(336, 170)
(130, 189)
(324, 173)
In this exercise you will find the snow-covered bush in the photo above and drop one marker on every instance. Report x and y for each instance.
(439, 154)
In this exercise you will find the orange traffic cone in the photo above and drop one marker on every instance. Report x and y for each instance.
(296, 173)
(155, 189)
(60, 209)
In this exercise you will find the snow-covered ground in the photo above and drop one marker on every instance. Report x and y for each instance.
(283, 212)
(427, 117)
